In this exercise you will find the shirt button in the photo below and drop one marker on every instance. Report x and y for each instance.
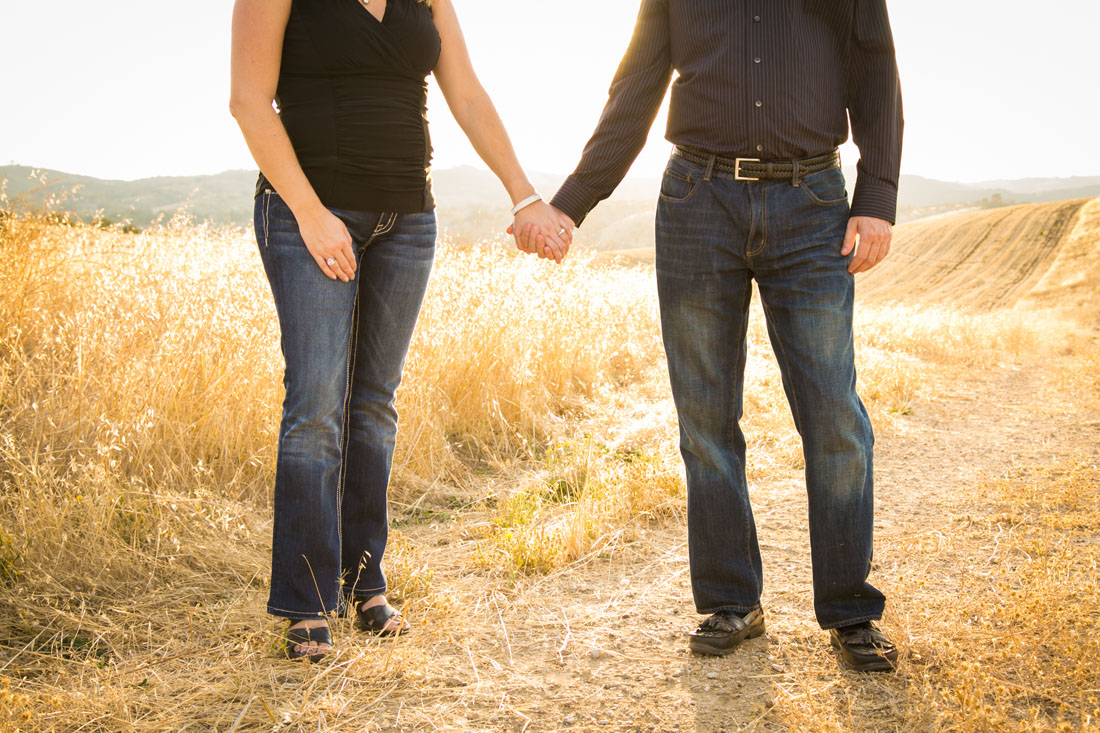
(759, 103)
(756, 19)
(756, 60)
(759, 148)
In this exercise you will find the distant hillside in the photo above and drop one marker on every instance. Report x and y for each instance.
(472, 203)
(920, 197)
(992, 259)
(1045, 253)
(222, 198)
(473, 206)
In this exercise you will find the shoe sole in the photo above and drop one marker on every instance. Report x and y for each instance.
(698, 644)
(875, 664)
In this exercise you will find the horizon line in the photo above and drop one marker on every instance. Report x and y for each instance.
(484, 169)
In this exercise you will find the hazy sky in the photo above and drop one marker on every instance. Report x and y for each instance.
(134, 88)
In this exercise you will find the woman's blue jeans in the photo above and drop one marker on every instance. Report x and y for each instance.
(345, 346)
(715, 235)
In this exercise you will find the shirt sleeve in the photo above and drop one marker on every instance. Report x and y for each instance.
(635, 97)
(874, 108)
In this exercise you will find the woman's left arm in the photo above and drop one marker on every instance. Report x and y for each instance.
(474, 111)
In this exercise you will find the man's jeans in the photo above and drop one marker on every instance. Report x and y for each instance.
(345, 346)
(715, 235)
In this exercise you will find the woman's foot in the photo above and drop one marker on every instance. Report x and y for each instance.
(379, 617)
(310, 639)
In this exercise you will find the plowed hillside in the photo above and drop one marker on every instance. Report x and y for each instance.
(1042, 254)
(1047, 252)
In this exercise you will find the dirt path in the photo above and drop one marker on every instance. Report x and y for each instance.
(993, 601)
(601, 645)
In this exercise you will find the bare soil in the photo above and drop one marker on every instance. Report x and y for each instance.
(602, 644)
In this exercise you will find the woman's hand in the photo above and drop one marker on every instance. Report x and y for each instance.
(478, 118)
(258, 30)
(328, 240)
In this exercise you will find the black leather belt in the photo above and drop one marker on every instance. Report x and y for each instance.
(754, 169)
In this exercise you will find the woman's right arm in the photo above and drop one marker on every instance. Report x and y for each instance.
(258, 28)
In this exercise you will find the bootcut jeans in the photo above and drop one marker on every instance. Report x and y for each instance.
(715, 235)
(345, 346)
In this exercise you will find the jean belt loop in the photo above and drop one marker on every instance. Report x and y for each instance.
(794, 175)
(710, 167)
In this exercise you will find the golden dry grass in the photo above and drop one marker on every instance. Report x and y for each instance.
(139, 393)
(1002, 628)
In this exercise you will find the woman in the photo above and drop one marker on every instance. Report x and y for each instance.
(346, 231)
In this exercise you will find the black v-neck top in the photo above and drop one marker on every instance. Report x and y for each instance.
(352, 96)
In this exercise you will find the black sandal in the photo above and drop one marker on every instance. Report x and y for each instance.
(302, 636)
(375, 619)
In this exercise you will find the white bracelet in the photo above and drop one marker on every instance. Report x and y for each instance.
(525, 203)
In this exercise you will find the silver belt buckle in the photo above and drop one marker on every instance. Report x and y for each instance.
(737, 176)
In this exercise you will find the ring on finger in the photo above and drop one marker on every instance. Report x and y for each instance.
(330, 261)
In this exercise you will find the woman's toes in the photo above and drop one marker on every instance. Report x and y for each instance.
(311, 647)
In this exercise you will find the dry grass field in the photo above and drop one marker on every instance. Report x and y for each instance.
(539, 545)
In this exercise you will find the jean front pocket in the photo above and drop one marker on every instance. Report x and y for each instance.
(825, 188)
(679, 183)
(280, 228)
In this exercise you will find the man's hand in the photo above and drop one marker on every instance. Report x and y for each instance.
(873, 237)
(549, 239)
(539, 238)
(542, 217)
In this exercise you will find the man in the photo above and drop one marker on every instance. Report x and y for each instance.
(753, 190)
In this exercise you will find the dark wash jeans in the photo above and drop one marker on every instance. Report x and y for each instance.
(715, 235)
(345, 346)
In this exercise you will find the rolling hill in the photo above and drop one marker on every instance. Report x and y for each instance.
(1044, 253)
(221, 198)
(472, 203)
(995, 258)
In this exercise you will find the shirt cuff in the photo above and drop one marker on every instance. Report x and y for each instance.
(875, 198)
(574, 200)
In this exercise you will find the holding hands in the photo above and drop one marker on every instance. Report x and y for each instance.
(541, 229)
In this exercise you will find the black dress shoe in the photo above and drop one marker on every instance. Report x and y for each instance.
(864, 648)
(724, 631)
